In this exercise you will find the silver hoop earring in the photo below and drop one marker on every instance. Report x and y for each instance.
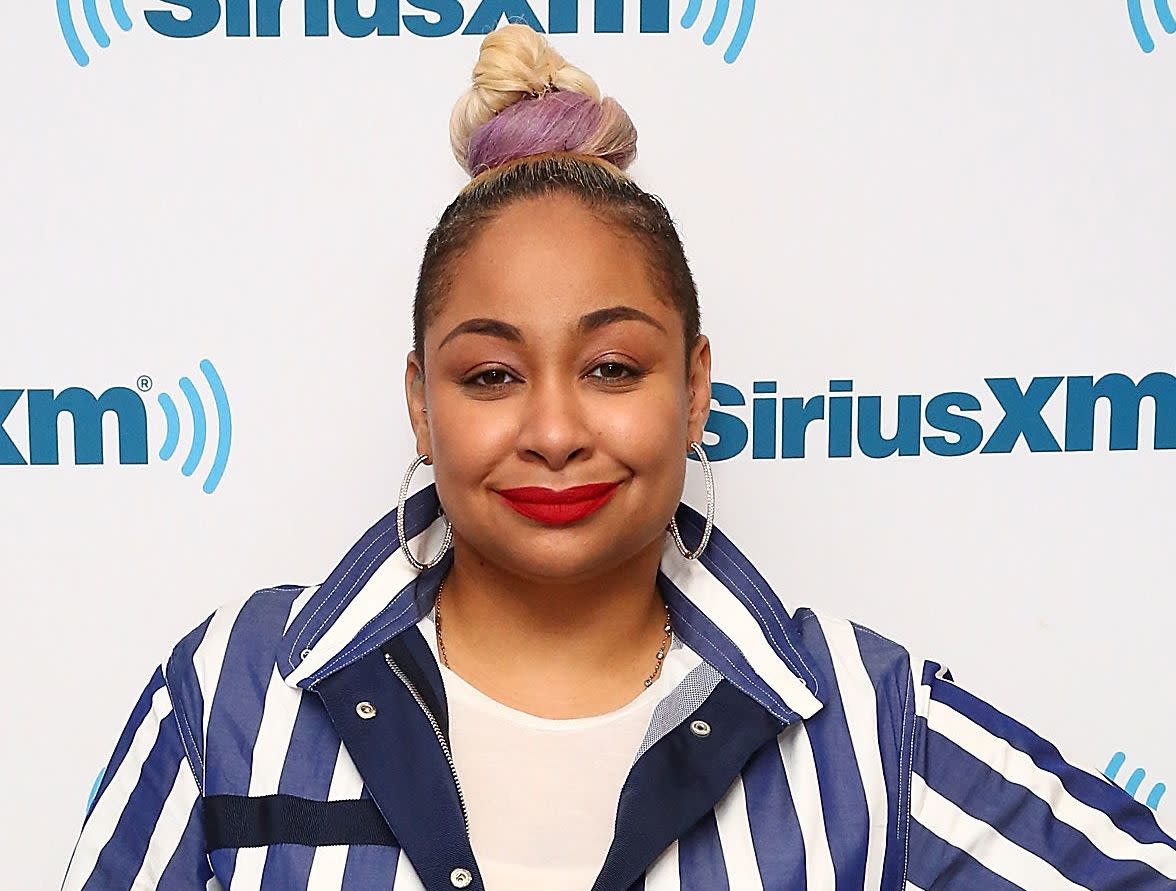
(710, 508)
(400, 521)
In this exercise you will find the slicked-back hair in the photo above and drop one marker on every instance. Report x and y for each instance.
(601, 187)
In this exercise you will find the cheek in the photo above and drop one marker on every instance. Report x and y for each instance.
(644, 433)
(470, 457)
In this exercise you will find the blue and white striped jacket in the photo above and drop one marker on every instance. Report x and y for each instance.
(836, 759)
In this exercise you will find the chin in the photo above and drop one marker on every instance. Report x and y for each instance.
(568, 559)
(565, 555)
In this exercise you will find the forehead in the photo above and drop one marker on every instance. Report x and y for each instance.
(545, 261)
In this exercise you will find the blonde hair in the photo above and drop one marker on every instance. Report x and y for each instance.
(517, 65)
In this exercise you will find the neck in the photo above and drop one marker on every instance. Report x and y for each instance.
(557, 648)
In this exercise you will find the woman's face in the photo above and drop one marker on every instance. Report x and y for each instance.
(556, 362)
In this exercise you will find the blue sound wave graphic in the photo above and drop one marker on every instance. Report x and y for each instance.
(1131, 787)
(719, 18)
(1139, 26)
(224, 437)
(94, 790)
(93, 22)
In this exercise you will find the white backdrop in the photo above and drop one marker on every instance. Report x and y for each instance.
(915, 198)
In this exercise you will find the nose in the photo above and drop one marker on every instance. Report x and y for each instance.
(555, 425)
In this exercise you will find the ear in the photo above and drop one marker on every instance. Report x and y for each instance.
(418, 417)
(699, 388)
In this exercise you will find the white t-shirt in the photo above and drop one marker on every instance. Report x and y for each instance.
(542, 793)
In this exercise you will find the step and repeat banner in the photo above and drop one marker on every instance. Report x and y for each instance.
(933, 244)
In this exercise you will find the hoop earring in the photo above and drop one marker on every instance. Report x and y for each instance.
(710, 508)
(400, 521)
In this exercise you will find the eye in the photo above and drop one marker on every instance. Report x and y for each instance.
(616, 371)
(491, 378)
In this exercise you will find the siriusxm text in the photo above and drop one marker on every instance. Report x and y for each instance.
(780, 425)
(424, 18)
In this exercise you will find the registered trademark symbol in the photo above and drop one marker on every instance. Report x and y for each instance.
(144, 383)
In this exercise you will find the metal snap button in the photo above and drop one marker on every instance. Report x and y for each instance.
(461, 878)
(700, 728)
(365, 710)
(305, 653)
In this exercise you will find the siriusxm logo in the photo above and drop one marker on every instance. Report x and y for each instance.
(1134, 781)
(780, 425)
(94, 22)
(86, 411)
(423, 18)
(1139, 24)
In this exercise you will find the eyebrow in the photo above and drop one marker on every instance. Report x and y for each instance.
(588, 323)
(489, 327)
(601, 317)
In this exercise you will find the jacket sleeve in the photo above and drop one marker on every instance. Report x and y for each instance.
(143, 827)
(995, 806)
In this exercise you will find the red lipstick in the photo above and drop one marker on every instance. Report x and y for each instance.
(558, 507)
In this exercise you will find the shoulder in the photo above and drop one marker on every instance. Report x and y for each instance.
(844, 639)
(853, 654)
(237, 642)
(240, 635)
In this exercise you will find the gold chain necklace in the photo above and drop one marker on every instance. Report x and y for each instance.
(661, 653)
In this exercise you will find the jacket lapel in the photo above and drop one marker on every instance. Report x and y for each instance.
(680, 779)
(403, 765)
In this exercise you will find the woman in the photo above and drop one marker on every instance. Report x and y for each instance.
(566, 678)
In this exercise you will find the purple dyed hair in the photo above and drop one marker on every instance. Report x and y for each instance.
(558, 121)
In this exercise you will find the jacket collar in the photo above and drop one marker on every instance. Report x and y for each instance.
(721, 607)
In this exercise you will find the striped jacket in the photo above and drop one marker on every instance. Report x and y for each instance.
(297, 739)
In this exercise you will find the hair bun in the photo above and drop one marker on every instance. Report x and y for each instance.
(527, 99)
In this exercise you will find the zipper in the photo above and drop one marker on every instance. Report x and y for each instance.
(437, 730)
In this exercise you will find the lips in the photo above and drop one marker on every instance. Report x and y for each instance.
(558, 507)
